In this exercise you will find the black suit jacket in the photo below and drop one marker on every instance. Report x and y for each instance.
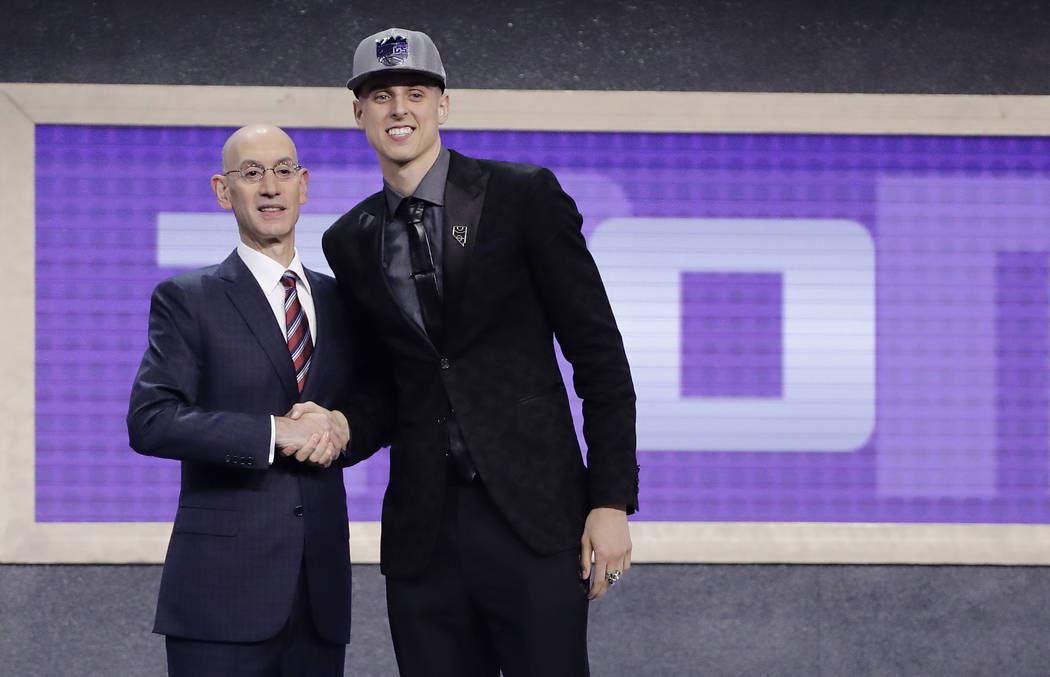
(216, 368)
(524, 277)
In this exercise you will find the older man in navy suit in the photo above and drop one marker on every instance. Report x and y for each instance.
(257, 576)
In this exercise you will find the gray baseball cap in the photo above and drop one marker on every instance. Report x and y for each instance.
(396, 50)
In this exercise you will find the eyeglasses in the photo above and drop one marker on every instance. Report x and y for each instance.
(283, 171)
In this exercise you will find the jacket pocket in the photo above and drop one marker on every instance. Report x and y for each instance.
(546, 392)
(208, 521)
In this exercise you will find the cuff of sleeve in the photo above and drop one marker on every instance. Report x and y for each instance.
(273, 437)
(606, 493)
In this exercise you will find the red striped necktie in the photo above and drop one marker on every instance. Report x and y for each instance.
(297, 329)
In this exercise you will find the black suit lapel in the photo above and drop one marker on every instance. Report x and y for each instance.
(250, 302)
(370, 244)
(464, 199)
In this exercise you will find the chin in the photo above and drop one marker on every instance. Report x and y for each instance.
(403, 158)
(273, 231)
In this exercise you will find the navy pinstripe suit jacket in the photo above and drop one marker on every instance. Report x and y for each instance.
(216, 368)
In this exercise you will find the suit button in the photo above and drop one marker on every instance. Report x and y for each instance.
(445, 363)
(228, 458)
(439, 419)
(298, 511)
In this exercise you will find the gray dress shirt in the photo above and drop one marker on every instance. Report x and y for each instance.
(397, 262)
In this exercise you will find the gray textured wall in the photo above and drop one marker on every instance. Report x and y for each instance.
(663, 620)
(742, 620)
(917, 46)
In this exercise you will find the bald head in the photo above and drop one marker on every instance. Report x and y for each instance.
(241, 143)
(263, 184)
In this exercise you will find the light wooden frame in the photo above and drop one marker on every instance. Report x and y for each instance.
(22, 106)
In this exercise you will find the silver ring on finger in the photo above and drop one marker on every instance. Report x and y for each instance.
(613, 577)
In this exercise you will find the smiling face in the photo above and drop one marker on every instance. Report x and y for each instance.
(400, 114)
(266, 211)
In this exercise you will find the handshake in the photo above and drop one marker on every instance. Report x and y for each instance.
(312, 434)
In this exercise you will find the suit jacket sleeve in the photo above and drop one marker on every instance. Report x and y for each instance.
(576, 305)
(370, 406)
(164, 418)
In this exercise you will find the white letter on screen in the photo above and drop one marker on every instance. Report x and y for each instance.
(827, 268)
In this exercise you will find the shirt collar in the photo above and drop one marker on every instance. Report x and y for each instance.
(431, 188)
(268, 272)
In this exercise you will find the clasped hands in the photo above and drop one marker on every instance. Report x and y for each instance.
(312, 434)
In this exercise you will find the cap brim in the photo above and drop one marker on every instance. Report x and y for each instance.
(354, 83)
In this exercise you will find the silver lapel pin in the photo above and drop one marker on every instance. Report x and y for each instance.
(460, 235)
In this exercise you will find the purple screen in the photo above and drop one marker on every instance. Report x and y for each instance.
(821, 327)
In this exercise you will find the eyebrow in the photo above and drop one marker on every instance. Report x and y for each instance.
(286, 158)
(389, 86)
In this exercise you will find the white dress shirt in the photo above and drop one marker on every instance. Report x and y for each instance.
(267, 273)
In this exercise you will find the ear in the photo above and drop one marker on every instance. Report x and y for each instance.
(359, 112)
(304, 179)
(222, 191)
(443, 108)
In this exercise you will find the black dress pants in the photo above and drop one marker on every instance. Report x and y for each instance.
(487, 602)
(296, 651)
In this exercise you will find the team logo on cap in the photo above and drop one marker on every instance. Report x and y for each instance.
(393, 51)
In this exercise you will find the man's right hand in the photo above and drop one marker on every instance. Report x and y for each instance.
(313, 437)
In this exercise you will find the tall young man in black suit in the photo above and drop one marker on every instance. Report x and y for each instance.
(464, 271)
(256, 581)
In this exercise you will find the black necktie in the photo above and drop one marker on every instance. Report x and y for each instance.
(424, 274)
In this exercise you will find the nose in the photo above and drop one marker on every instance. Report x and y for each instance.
(399, 108)
(270, 186)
